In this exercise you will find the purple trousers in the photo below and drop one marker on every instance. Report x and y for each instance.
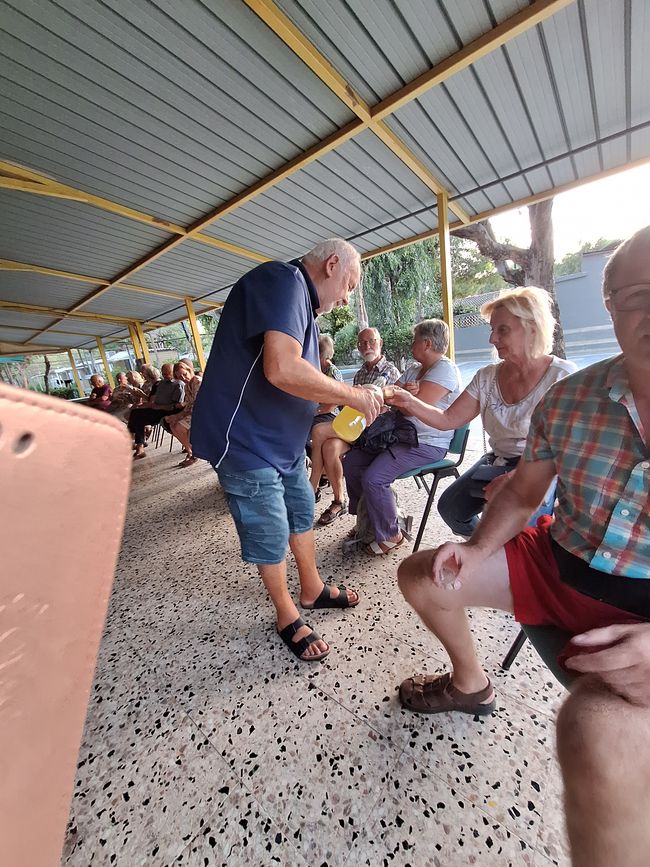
(371, 475)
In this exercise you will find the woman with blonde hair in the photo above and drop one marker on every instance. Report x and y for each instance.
(505, 394)
(180, 423)
(151, 375)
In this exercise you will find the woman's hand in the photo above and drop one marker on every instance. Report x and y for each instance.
(400, 398)
(412, 387)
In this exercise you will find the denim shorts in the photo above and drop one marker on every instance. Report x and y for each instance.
(267, 506)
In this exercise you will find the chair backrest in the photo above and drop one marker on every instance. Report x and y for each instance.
(458, 442)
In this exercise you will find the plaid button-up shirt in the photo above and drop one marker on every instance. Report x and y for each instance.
(589, 426)
(384, 369)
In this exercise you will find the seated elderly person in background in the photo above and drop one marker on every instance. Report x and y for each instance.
(151, 377)
(369, 473)
(124, 397)
(504, 393)
(100, 396)
(326, 448)
(326, 412)
(168, 399)
(179, 424)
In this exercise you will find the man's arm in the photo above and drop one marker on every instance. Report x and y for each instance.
(507, 515)
(286, 369)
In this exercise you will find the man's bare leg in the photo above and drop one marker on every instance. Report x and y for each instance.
(333, 450)
(275, 580)
(311, 585)
(602, 743)
(443, 611)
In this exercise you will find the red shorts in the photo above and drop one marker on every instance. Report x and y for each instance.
(541, 598)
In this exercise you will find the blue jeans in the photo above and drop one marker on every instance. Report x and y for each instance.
(267, 506)
(460, 510)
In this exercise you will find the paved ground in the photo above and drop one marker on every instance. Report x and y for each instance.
(206, 743)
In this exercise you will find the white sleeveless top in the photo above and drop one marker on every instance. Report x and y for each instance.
(506, 424)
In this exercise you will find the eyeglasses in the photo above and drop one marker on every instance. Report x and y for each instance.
(367, 342)
(631, 298)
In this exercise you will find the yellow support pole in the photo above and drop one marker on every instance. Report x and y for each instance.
(445, 269)
(143, 342)
(107, 370)
(196, 335)
(75, 373)
(135, 342)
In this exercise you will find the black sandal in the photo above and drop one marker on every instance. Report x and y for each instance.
(299, 647)
(326, 600)
(329, 516)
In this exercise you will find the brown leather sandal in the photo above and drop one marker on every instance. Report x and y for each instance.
(329, 515)
(436, 693)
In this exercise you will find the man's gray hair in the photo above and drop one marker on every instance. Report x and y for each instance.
(641, 237)
(332, 247)
(434, 330)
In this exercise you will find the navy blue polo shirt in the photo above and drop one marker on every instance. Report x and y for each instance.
(237, 411)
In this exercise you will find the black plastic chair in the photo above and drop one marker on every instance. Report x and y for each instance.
(439, 470)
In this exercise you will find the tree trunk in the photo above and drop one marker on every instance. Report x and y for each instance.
(524, 267)
(541, 261)
(360, 307)
(46, 375)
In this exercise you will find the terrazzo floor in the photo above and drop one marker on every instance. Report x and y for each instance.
(207, 744)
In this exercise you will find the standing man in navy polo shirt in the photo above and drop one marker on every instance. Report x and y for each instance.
(253, 413)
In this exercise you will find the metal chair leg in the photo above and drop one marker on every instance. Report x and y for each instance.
(425, 515)
(515, 647)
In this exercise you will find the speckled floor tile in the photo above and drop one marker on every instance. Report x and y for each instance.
(323, 760)
(207, 743)
(419, 820)
(144, 792)
(552, 841)
(239, 832)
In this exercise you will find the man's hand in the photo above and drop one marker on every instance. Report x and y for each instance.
(454, 563)
(368, 401)
(401, 398)
(623, 664)
(492, 488)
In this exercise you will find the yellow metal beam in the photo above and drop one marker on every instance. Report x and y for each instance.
(75, 373)
(274, 18)
(509, 29)
(60, 312)
(107, 369)
(445, 269)
(143, 342)
(196, 334)
(10, 265)
(23, 180)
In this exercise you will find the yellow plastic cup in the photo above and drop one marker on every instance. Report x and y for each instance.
(349, 424)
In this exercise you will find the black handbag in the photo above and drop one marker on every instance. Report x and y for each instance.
(388, 429)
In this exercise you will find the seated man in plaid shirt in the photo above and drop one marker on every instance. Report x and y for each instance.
(586, 572)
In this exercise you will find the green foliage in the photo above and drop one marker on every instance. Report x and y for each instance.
(67, 392)
(397, 342)
(345, 342)
(571, 263)
(335, 320)
(400, 286)
(472, 274)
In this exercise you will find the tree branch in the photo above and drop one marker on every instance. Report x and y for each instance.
(500, 253)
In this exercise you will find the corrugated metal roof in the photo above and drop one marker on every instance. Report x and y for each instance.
(173, 110)
(41, 289)
(71, 236)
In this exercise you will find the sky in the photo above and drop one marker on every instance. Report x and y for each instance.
(612, 208)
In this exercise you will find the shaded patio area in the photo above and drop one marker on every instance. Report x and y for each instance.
(206, 743)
